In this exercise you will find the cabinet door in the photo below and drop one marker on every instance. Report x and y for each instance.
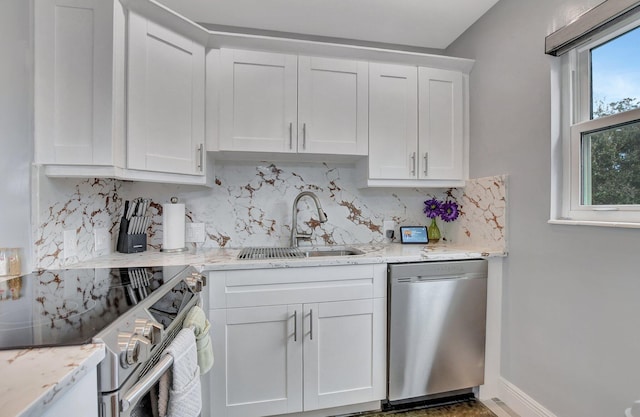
(258, 101)
(73, 82)
(344, 353)
(165, 100)
(258, 361)
(393, 121)
(441, 124)
(81, 398)
(333, 97)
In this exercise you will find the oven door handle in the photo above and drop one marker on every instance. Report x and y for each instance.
(135, 394)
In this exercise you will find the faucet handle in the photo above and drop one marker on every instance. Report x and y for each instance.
(302, 236)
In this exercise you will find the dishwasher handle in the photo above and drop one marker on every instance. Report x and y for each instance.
(430, 278)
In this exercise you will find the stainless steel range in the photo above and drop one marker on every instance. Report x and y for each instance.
(135, 312)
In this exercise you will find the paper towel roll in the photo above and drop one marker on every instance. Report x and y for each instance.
(173, 227)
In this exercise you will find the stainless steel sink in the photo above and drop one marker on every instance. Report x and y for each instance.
(332, 252)
(297, 253)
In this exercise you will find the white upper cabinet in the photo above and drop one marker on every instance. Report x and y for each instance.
(288, 104)
(416, 127)
(99, 114)
(77, 81)
(393, 121)
(333, 95)
(258, 101)
(166, 101)
(441, 124)
(129, 89)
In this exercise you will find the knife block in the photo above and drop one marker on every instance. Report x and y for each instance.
(130, 243)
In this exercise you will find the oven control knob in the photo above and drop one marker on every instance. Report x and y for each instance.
(149, 329)
(196, 281)
(133, 349)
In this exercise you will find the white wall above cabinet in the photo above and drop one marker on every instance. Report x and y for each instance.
(292, 104)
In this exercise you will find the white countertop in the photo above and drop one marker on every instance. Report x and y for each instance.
(32, 379)
(225, 259)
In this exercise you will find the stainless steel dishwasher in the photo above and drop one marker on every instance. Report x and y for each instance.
(437, 322)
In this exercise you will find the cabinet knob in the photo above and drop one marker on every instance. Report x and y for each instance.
(413, 164)
(304, 136)
(196, 282)
(426, 163)
(200, 157)
(295, 326)
(290, 135)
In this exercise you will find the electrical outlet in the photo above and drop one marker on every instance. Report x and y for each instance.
(70, 245)
(388, 228)
(194, 232)
(102, 241)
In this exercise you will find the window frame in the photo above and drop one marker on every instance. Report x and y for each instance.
(572, 72)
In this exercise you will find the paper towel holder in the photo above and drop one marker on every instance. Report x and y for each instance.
(174, 200)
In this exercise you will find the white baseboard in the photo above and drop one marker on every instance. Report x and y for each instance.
(520, 402)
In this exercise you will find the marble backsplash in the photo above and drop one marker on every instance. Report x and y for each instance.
(251, 205)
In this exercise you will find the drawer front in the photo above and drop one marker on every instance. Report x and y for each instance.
(258, 287)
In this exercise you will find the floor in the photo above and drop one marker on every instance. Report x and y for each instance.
(470, 408)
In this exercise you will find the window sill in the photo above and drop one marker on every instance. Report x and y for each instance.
(566, 222)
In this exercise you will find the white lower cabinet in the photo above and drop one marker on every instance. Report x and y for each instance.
(82, 398)
(258, 362)
(326, 350)
(340, 352)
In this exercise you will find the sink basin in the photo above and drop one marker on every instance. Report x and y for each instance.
(296, 253)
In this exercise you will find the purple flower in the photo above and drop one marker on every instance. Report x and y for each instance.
(433, 208)
(449, 211)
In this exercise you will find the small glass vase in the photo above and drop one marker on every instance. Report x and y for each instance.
(433, 232)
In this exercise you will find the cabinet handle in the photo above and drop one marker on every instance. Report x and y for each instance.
(290, 135)
(426, 163)
(413, 164)
(200, 157)
(295, 326)
(311, 324)
(304, 136)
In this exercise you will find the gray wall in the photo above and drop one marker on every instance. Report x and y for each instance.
(16, 138)
(571, 313)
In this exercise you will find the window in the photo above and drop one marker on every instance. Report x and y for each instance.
(599, 177)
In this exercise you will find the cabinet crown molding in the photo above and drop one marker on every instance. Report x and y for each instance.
(216, 39)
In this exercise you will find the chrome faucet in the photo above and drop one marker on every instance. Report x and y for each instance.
(322, 217)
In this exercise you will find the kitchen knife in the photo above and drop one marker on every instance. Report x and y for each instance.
(130, 210)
